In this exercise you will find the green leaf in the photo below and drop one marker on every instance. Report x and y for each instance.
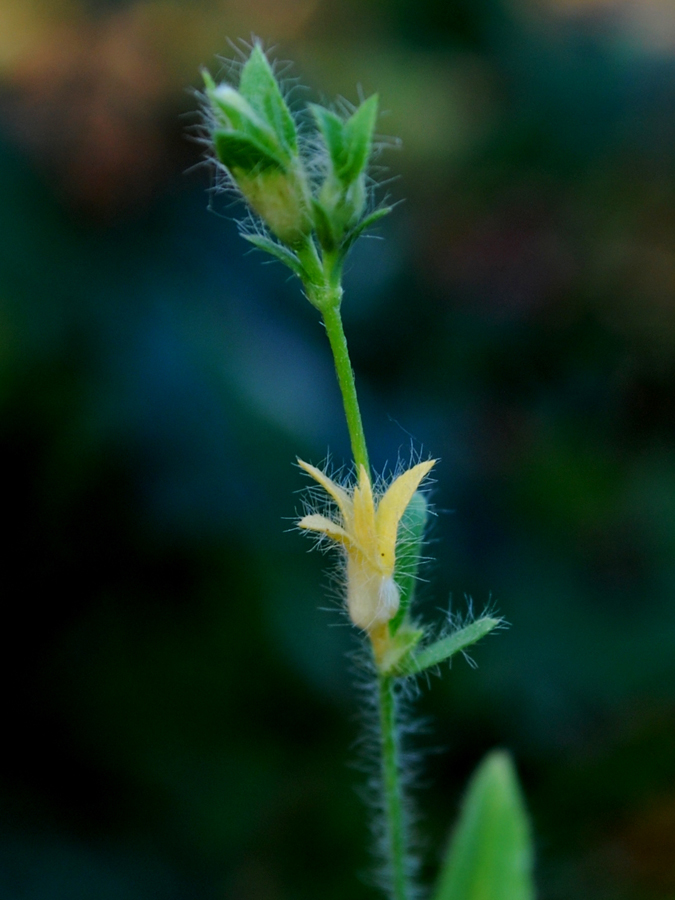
(332, 131)
(358, 137)
(490, 856)
(408, 549)
(259, 86)
(237, 150)
(447, 647)
(282, 253)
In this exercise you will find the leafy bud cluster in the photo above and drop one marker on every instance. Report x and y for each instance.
(314, 202)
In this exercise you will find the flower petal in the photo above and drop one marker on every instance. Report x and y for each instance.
(324, 525)
(364, 516)
(394, 502)
(338, 494)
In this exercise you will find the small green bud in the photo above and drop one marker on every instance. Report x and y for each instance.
(255, 139)
(343, 206)
(342, 198)
(349, 142)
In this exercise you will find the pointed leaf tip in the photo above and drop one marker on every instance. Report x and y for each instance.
(490, 856)
(358, 139)
(209, 83)
(332, 131)
(259, 86)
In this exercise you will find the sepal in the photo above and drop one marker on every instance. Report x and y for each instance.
(280, 199)
(358, 138)
(237, 150)
(323, 225)
(349, 142)
(233, 112)
(332, 129)
(391, 651)
(408, 551)
(258, 85)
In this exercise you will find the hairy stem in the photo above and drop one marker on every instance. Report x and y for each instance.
(345, 376)
(395, 825)
(395, 835)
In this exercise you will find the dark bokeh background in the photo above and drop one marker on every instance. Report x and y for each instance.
(177, 710)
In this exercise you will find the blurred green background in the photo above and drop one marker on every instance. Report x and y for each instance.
(178, 711)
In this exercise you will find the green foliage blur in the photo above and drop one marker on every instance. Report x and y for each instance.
(179, 710)
(490, 855)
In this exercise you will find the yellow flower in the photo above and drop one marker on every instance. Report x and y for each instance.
(367, 530)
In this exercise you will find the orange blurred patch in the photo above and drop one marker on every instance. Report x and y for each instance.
(96, 100)
(84, 103)
(648, 842)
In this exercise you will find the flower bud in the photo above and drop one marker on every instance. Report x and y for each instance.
(342, 198)
(255, 139)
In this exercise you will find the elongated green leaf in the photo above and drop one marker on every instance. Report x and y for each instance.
(358, 137)
(282, 253)
(490, 856)
(447, 647)
(408, 550)
(259, 86)
(240, 151)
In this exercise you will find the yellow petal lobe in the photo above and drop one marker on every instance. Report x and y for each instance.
(338, 494)
(325, 526)
(365, 531)
(392, 506)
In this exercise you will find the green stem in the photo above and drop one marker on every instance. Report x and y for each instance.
(345, 376)
(396, 838)
(326, 294)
